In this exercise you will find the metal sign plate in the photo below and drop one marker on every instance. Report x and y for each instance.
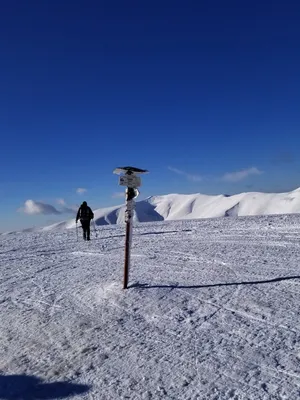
(131, 181)
(130, 170)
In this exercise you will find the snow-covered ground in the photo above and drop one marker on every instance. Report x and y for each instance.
(212, 312)
(173, 207)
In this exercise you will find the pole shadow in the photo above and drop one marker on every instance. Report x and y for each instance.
(140, 234)
(111, 237)
(25, 387)
(155, 233)
(177, 286)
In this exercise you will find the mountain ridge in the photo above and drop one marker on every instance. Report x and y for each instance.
(176, 206)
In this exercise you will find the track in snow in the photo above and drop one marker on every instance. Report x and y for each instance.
(212, 312)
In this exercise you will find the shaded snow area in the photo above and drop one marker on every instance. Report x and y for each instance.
(212, 312)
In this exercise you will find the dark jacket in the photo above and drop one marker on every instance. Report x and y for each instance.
(84, 213)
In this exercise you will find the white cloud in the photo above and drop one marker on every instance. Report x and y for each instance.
(81, 190)
(32, 207)
(190, 177)
(240, 175)
(61, 202)
(70, 210)
(118, 195)
(66, 209)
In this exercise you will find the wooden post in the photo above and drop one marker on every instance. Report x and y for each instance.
(128, 235)
(132, 181)
(127, 252)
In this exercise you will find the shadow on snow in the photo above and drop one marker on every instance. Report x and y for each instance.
(142, 234)
(24, 387)
(174, 286)
(155, 233)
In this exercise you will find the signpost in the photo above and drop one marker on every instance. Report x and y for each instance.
(131, 179)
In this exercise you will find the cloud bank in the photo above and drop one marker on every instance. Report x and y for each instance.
(190, 177)
(32, 207)
(61, 202)
(69, 210)
(241, 175)
(235, 176)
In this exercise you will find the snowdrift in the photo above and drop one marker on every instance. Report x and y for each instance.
(195, 206)
(174, 206)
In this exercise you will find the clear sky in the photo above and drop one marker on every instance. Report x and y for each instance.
(203, 94)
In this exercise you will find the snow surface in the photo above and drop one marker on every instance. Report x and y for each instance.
(194, 206)
(212, 312)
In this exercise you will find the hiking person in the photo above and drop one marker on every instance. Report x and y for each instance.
(85, 214)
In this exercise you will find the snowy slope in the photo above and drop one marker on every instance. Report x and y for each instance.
(174, 206)
(212, 312)
(144, 212)
(195, 206)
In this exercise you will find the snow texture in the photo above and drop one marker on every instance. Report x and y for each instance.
(211, 313)
(195, 206)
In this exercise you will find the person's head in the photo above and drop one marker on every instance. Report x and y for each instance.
(84, 204)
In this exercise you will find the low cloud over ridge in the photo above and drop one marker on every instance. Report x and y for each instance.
(32, 207)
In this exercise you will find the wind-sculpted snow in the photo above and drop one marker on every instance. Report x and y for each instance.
(212, 312)
(196, 206)
(174, 206)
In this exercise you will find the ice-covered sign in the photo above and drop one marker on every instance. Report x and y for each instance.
(129, 176)
(129, 171)
(131, 181)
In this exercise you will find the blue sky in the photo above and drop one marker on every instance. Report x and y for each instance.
(205, 95)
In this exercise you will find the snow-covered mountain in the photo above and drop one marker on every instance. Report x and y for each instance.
(195, 206)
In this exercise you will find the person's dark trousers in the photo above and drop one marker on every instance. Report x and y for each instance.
(86, 229)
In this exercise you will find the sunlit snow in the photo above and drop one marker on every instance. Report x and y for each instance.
(211, 312)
